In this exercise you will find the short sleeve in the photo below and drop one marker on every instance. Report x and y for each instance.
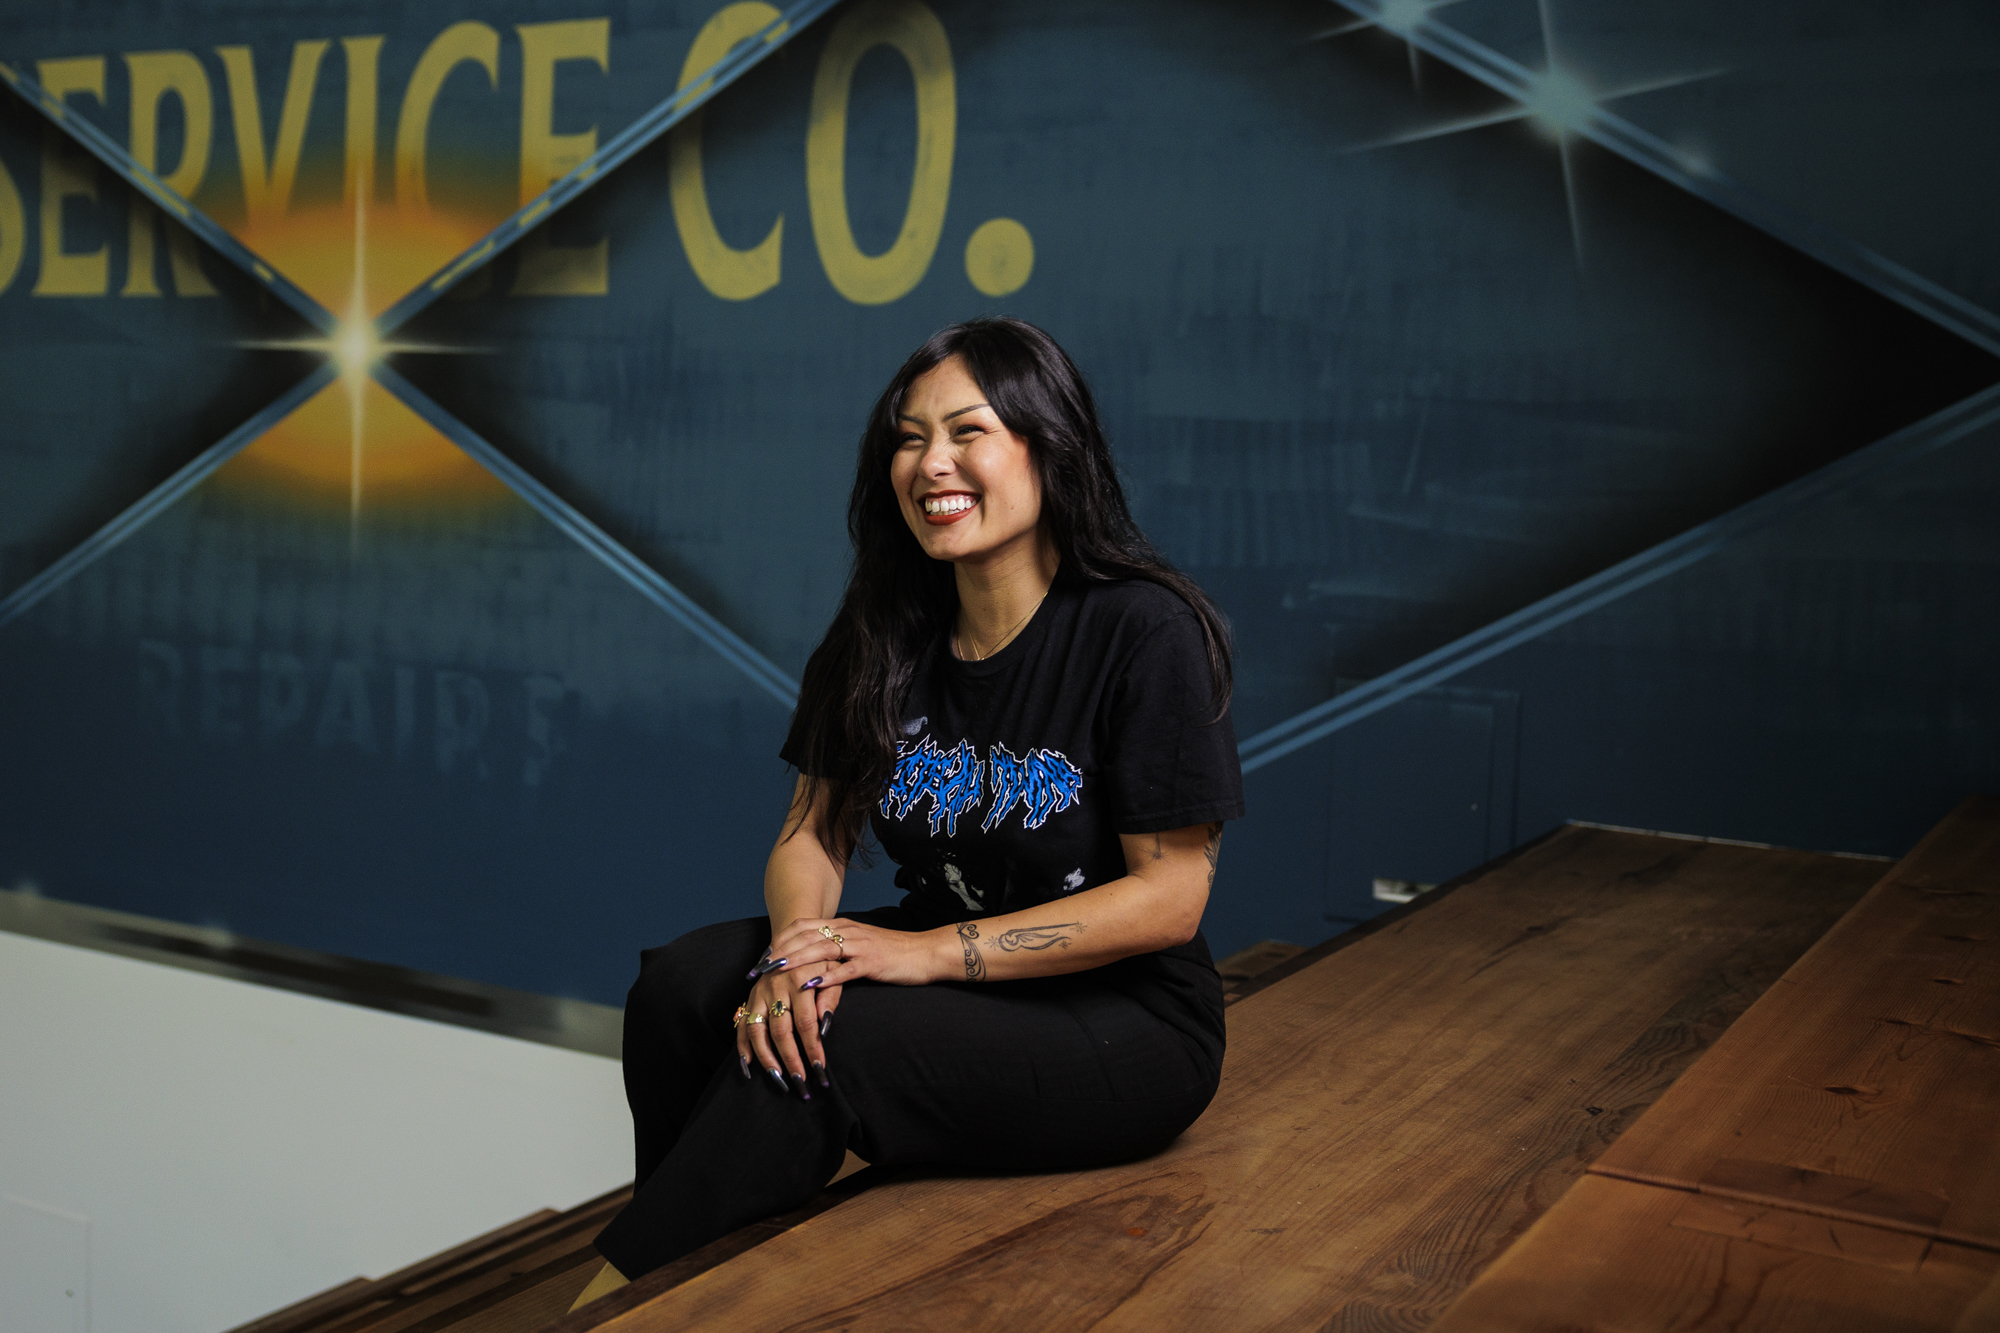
(1169, 762)
(794, 749)
(793, 752)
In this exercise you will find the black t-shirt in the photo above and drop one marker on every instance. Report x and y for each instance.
(1018, 773)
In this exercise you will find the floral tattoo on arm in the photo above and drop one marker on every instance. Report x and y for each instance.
(1213, 851)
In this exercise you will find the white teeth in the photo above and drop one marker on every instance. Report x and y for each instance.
(949, 504)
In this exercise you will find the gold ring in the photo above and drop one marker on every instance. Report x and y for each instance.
(779, 1008)
(741, 1011)
(756, 1018)
(828, 931)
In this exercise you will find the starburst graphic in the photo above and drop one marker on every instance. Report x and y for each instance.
(1558, 100)
(355, 348)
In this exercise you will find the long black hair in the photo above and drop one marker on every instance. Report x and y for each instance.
(899, 600)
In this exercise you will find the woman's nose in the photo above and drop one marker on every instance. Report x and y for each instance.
(938, 459)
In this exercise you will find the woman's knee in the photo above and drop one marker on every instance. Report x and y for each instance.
(694, 969)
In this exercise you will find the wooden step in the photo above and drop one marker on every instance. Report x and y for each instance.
(1394, 1112)
(519, 1269)
(495, 1282)
(1833, 1162)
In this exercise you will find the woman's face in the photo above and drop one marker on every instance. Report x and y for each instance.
(967, 485)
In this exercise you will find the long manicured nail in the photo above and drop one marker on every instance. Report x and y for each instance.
(777, 1077)
(819, 1067)
(771, 966)
(744, 1060)
(825, 1022)
(799, 1083)
(812, 984)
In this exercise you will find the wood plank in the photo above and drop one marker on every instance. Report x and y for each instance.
(1866, 1085)
(1614, 1254)
(359, 1295)
(1809, 1232)
(446, 1299)
(530, 1299)
(1390, 1118)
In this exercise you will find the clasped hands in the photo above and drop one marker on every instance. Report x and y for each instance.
(796, 988)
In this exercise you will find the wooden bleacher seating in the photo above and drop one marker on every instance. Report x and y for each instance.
(1400, 1105)
(1832, 1163)
(518, 1278)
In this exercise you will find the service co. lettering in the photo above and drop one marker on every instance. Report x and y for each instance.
(171, 104)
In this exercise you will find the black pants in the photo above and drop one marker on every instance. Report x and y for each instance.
(1045, 1074)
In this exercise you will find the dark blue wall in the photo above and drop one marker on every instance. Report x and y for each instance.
(1373, 393)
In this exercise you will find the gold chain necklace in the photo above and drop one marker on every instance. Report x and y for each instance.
(1006, 638)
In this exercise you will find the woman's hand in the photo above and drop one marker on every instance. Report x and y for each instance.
(897, 957)
(794, 973)
(786, 1043)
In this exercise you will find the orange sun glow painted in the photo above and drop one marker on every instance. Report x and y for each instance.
(354, 442)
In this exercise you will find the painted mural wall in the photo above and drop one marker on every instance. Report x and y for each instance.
(1386, 355)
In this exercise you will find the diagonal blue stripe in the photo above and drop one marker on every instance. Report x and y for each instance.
(1932, 433)
(1878, 273)
(741, 58)
(655, 588)
(158, 500)
(112, 154)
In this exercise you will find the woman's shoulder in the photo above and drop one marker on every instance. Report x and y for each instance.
(1134, 604)
(1130, 614)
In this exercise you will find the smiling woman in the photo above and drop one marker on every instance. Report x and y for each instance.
(1030, 710)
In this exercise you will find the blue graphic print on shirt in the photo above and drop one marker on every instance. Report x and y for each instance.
(1044, 781)
(1041, 782)
(948, 779)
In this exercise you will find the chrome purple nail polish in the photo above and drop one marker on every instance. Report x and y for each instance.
(805, 1094)
(744, 1060)
(819, 1067)
(812, 984)
(825, 1022)
(777, 1077)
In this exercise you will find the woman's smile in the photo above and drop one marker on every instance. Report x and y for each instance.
(942, 507)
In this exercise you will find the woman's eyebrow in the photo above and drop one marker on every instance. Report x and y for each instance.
(905, 416)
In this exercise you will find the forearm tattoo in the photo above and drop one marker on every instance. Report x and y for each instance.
(975, 965)
(1034, 939)
(1213, 851)
(1037, 938)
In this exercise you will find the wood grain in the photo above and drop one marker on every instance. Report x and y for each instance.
(1391, 1118)
(1810, 1233)
(1613, 1254)
(1866, 1084)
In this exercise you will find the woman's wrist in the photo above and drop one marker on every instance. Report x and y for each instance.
(946, 954)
